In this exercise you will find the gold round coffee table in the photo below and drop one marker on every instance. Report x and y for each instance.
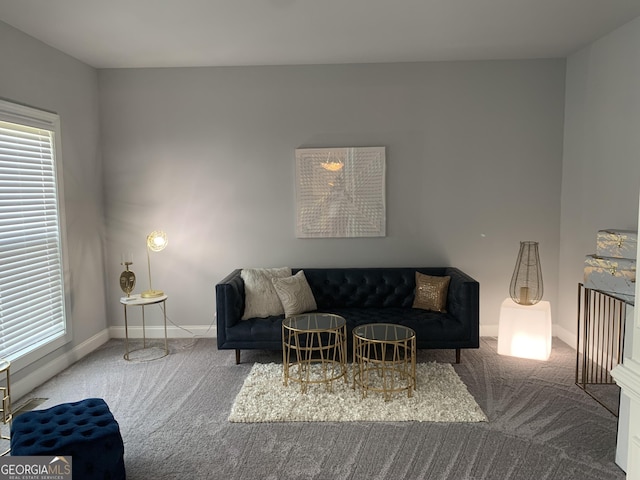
(384, 359)
(314, 349)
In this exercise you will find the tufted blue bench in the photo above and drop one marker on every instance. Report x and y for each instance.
(84, 430)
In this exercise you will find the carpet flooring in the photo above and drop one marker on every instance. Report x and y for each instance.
(173, 414)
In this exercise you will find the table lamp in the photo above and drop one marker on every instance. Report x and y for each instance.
(526, 286)
(156, 242)
(525, 327)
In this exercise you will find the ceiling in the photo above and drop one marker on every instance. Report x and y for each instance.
(172, 33)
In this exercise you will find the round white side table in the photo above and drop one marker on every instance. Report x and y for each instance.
(138, 301)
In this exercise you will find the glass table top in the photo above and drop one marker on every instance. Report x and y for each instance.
(383, 332)
(314, 321)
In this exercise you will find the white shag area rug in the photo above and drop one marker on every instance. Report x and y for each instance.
(440, 397)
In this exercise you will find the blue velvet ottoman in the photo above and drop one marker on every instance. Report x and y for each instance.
(84, 430)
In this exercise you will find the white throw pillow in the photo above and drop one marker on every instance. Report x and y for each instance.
(295, 294)
(260, 297)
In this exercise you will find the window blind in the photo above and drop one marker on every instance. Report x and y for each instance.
(32, 299)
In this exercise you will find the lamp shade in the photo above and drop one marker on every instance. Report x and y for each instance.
(157, 241)
(526, 286)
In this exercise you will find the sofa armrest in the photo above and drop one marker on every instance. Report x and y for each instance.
(229, 303)
(463, 301)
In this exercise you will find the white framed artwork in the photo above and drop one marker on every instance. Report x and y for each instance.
(340, 192)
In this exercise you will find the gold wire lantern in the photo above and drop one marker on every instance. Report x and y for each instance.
(526, 283)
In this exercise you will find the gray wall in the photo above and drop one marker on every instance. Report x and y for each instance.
(474, 155)
(34, 74)
(601, 166)
(474, 165)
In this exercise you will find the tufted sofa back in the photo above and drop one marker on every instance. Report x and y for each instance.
(364, 287)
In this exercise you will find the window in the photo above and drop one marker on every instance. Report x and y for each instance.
(33, 306)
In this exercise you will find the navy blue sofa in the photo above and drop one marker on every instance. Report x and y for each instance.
(360, 295)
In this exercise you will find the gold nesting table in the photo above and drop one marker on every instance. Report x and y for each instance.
(384, 359)
(314, 349)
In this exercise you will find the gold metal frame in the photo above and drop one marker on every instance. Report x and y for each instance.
(314, 349)
(384, 358)
(601, 331)
(5, 393)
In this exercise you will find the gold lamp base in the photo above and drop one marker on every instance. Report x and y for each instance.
(151, 293)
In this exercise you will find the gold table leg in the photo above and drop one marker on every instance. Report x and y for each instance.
(126, 334)
(166, 343)
(7, 414)
(144, 335)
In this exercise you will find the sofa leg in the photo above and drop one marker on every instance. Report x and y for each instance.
(237, 356)
(457, 355)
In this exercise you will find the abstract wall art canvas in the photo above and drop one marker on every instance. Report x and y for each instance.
(340, 192)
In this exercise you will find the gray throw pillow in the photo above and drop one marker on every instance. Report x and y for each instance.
(295, 294)
(260, 297)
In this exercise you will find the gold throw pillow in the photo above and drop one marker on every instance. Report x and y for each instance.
(431, 292)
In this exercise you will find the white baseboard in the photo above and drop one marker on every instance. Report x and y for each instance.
(157, 331)
(565, 335)
(23, 386)
(488, 330)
